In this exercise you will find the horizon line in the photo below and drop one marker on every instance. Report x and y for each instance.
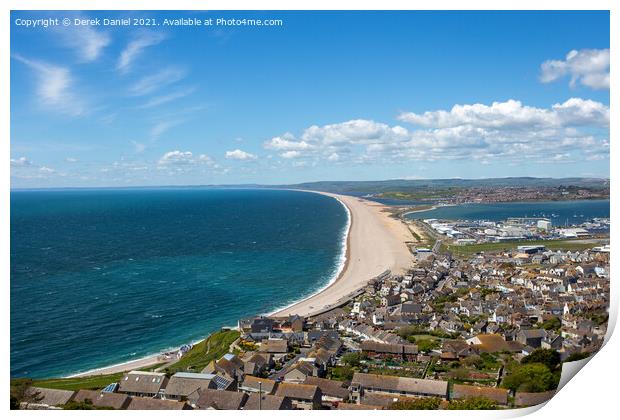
(259, 185)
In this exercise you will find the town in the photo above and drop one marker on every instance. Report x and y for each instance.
(485, 330)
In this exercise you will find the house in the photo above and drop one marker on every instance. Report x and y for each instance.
(257, 363)
(274, 345)
(221, 380)
(142, 384)
(294, 323)
(552, 342)
(364, 383)
(256, 325)
(141, 403)
(299, 372)
(492, 343)
(526, 399)
(390, 300)
(531, 338)
(267, 402)
(349, 406)
(220, 400)
(306, 397)
(182, 384)
(456, 349)
(333, 391)
(103, 399)
(253, 384)
(46, 398)
(499, 395)
(407, 352)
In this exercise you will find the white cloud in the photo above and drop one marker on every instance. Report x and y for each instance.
(71, 160)
(286, 142)
(21, 162)
(177, 157)
(153, 82)
(513, 114)
(206, 159)
(588, 67)
(240, 155)
(46, 170)
(499, 131)
(138, 147)
(334, 157)
(160, 100)
(54, 87)
(291, 154)
(135, 47)
(88, 42)
(161, 127)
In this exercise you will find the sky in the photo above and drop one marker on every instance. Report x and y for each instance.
(322, 96)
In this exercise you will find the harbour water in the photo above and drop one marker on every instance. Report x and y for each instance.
(559, 212)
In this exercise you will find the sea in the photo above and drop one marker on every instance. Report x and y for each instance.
(560, 213)
(104, 276)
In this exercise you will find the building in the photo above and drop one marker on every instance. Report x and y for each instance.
(47, 398)
(220, 400)
(407, 352)
(393, 385)
(305, 397)
(333, 391)
(544, 224)
(267, 402)
(103, 399)
(140, 403)
(142, 384)
(182, 384)
(253, 384)
(498, 395)
(531, 338)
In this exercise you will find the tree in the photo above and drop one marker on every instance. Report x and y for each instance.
(547, 357)
(577, 356)
(473, 403)
(22, 392)
(531, 377)
(425, 345)
(552, 324)
(417, 404)
(352, 359)
(342, 373)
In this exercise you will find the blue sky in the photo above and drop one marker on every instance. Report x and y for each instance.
(325, 96)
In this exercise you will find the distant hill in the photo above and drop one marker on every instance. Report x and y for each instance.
(405, 185)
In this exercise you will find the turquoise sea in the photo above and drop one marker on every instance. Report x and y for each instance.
(104, 276)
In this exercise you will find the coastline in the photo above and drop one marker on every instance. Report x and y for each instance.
(380, 230)
(375, 242)
(342, 266)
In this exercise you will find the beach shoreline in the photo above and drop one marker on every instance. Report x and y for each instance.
(342, 268)
(376, 243)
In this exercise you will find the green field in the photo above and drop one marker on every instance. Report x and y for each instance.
(74, 384)
(555, 244)
(214, 347)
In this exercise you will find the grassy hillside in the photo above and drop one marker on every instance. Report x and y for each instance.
(214, 347)
(73, 384)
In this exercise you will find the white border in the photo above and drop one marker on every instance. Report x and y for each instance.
(590, 394)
